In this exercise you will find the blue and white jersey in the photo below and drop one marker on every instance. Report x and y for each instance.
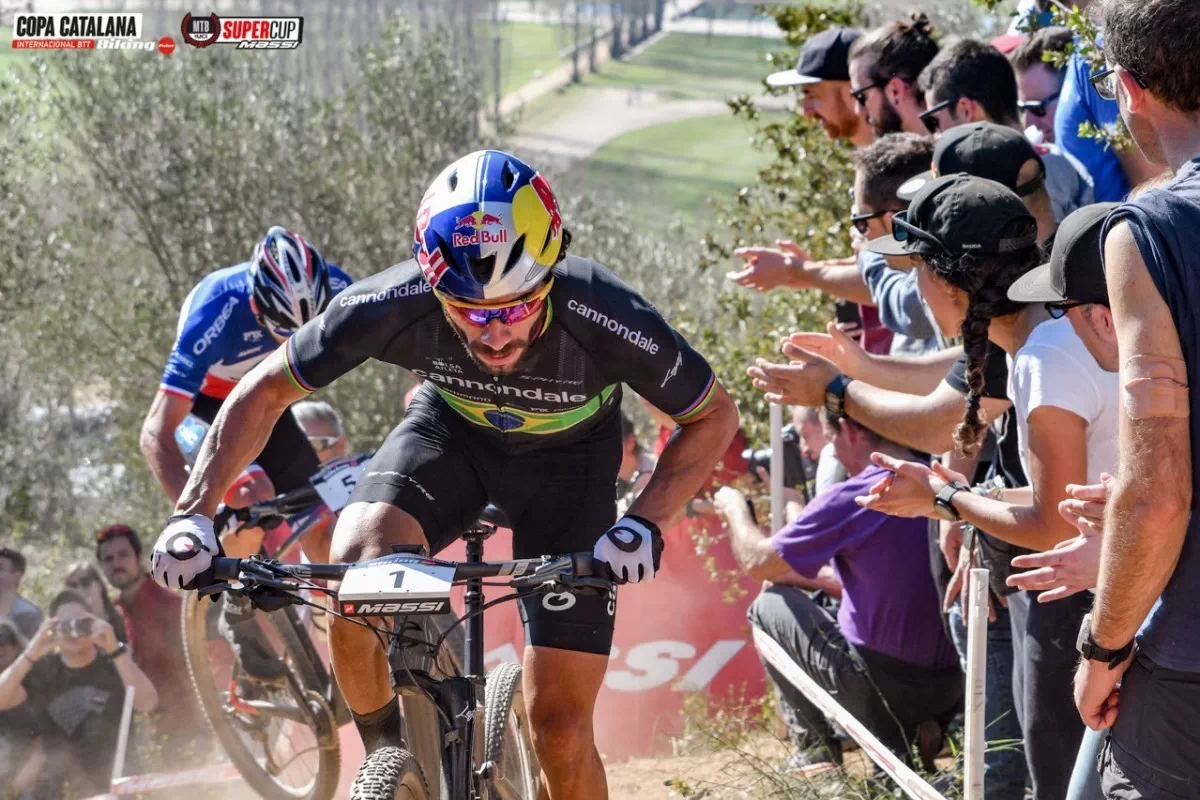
(218, 339)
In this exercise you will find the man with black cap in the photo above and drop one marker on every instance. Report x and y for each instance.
(823, 75)
(998, 153)
(1073, 283)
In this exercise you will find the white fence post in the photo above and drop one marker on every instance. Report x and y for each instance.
(776, 467)
(976, 610)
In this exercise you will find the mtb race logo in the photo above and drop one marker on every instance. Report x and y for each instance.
(246, 33)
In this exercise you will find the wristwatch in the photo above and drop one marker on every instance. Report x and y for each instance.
(943, 501)
(835, 396)
(117, 651)
(1088, 648)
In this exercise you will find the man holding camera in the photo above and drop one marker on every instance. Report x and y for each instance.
(886, 657)
(76, 693)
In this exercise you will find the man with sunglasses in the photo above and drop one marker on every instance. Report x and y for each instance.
(523, 350)
(233, 319)
(1039, 83)
(823, 76)
(884, 66)
(971, 81)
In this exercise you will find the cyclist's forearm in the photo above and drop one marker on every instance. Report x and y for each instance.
(166, 462)
(237, 436)
(687, 462)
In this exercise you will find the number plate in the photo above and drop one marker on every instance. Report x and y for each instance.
(336, 480)
(396, 584)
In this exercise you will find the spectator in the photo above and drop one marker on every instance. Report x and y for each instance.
(77, 693)
(974, 240)
(152, 623)
(880, 170)
(886, 657)
(21, 754)
(23, 613)
(1150, 530)
(1075, 274)
(971, 81)
(1113, 171)
(322, 426)
(1034, 14)
(823, 76)
(998, 153)
(884, 66)
(84, 578)
(636, 464)
(1039, 83)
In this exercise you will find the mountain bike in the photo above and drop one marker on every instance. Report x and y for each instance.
(479, 746)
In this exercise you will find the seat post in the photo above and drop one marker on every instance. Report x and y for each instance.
(473, 600)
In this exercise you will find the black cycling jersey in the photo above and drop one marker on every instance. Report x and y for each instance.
(597, 334)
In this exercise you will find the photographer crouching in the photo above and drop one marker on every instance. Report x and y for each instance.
(886, 657)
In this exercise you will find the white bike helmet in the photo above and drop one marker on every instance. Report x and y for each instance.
(289, 280)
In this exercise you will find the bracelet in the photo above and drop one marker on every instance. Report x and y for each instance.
(27, 658)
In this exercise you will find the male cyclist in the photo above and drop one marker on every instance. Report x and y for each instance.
(233, 319)
(523, 350)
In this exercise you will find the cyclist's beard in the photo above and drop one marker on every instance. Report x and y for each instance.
(515, 346)
(888, 121)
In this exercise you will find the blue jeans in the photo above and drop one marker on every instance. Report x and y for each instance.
(1004, 770)
(1085, 778)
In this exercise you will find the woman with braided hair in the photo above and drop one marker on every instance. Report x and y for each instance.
(972, 239)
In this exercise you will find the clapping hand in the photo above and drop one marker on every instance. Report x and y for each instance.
(835, 346)
(1074, 564)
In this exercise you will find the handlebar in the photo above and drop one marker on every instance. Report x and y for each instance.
(577, 571)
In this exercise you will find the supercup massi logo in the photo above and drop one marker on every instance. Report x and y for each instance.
(246, 33)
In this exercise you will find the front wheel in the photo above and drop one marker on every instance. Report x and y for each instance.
(515, 772)
(389, 773)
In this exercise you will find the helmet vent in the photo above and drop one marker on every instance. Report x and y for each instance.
(273, 249)
(508, 176)
(295, 270)
(514, 255)
(482, 268)
(304, 310)
(454, 181)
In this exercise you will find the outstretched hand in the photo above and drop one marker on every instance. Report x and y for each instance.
(800, 383)
(909, 489)
(767, 268)
(835, 346)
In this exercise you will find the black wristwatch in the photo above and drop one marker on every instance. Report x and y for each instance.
(117, 651)
(943, 501)
(835, 396)
(1088, 648)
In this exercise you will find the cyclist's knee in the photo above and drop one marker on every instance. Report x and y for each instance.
(368, 530)
(560, 733)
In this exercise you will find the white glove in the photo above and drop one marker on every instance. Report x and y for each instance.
(631, 548)
(184, 550)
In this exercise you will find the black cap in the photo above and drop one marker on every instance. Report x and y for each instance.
(959, 215)
(1075, 272)
(982, 149)
(824, 57)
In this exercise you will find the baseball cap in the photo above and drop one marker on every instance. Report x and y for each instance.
(1008, 42)
(959, 215)
(824, 57)
(1075, 272)
(982, 149)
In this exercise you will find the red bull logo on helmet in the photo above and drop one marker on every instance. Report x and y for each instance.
(480, 237)
(477, 221)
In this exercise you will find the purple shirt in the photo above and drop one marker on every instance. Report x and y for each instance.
(889, 602)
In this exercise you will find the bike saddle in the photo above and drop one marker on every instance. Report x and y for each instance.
(492, 515)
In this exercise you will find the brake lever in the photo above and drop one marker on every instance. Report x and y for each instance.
(214, 588)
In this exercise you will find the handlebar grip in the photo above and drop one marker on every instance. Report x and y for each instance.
(585, 565)
(226, 569)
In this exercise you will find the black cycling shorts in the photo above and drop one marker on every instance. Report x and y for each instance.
(288, 457)
(559, 499)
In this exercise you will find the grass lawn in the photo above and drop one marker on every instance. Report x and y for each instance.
(687, 65)
(528, 49)
(676, 166)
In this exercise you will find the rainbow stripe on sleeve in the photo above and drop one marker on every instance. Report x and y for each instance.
(689, 413)
(290, 370)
